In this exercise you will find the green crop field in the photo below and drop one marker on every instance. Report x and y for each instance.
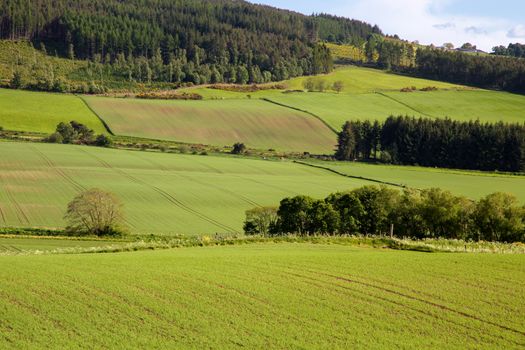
(487, 106)
(374, 94)
(471, 184)
(273, 296)
(41, 112)
(256, 123)
(162, 193)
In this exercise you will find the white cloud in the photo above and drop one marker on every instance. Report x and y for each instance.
(517, 32)
(444, 25)
(427, 22)
(476, 30)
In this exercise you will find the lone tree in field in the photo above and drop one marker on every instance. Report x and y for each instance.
(95, 212)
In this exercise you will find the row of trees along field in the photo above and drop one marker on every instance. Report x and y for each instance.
(440, 142)
(372, 210)
(194, 41)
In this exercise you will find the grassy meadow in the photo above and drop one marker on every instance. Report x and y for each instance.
(272, 296)
(256, 123)
(162, 193)
(41, 112)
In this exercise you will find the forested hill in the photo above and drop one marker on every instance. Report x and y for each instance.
(228, 40)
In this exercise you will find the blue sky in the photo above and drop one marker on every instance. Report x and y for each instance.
(482, 22)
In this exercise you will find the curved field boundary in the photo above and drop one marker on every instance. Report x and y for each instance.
(352, 176)
(302, 111)
(106, 126)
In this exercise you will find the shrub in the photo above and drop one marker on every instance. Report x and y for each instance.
(55, 137)
(17, 80)
(239, 148)
(103, 141)
(309, 84)
(67, 132)
(338, 86)
(429, 88)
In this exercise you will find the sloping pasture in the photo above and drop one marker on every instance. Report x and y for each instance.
(256, 123)
(41, 112)
(374, 94)
(162, 193)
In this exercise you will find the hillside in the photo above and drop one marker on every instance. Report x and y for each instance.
(298, 124)
(193, 41)
(271, 296)
(163, 193)
(258, 124)
(374, 94)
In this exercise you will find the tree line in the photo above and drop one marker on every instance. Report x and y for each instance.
(197, 41)
(513, 50)
(373, 210)
(435, 143)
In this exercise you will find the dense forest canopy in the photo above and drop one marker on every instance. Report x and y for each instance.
(220, 40)
(436, 143)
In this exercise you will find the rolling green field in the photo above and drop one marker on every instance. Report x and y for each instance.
(186, 194)
(227, 117)
(487, 106)
(374, 94)
(162, 193)
(471, 184)
(273, 296)
(256, 123)
(41, 112)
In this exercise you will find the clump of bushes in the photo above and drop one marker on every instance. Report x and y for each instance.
(247, 88)
(429, 88)
(77, 133)
(373, 210)
(103, 141)
(320, 85)
(409, 89)
(169, 96)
